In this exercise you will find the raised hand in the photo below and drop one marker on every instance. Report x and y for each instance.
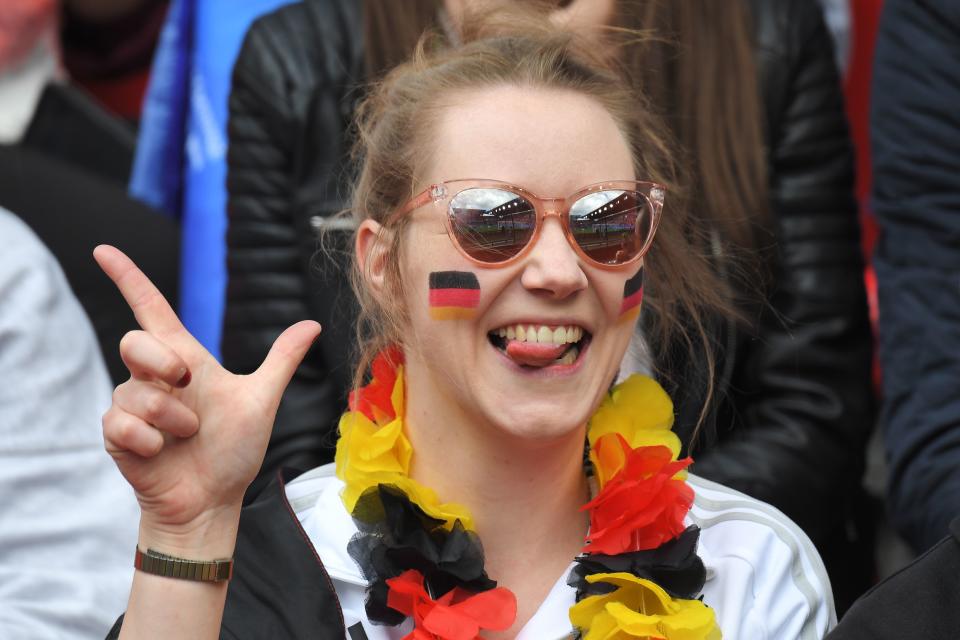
(188, 435)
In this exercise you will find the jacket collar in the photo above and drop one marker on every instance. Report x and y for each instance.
(280, 587)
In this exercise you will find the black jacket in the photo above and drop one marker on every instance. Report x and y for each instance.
(290, 106)
(915, 139)
(793, 429)
(919, 601)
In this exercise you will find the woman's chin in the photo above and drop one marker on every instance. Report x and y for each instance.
(541, 421)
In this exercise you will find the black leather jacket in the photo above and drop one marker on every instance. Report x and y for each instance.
(798, 406)
(290, 106)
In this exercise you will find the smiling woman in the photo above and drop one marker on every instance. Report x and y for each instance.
(515, 181)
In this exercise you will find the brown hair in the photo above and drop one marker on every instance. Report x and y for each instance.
(394, 124)
(701, 74)
(391, 30)
(699, 69)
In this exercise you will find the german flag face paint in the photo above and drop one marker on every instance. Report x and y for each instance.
(453, 294)
(632, 297)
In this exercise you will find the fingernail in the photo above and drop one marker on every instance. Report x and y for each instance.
(184, 379)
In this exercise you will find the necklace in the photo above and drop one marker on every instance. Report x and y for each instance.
(638, 575)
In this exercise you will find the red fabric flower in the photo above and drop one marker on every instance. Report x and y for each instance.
(642, 506)
(373, 400)
(456, 615)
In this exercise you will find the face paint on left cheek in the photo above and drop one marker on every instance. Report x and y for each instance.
(453, 295)
(632, 297)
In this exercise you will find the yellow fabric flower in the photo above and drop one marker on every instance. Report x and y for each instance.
(639, 410)
(369, 455)
(638, 608)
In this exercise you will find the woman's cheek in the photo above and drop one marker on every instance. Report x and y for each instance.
(453, 295)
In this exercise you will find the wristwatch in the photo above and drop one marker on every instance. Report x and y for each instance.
(161, 564)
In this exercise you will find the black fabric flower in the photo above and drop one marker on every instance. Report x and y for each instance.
(396, 535)
(674, 565)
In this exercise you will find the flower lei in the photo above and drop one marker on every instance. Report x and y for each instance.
(638, 575)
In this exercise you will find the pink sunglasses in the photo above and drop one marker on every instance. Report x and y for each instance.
(493, 223)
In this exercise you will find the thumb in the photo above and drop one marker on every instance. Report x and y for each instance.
(285, 356)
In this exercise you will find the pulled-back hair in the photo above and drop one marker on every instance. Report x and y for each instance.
(396, 132)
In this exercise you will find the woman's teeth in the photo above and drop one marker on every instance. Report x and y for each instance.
(541, 333)
(539, 345)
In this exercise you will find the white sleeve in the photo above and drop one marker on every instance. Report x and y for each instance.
(765, 579)
(68, 520)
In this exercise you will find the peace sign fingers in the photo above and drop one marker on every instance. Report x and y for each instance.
(188, 435)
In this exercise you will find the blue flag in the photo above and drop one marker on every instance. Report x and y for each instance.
(180, 165)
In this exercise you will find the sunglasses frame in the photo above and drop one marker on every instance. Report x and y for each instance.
(543, 207)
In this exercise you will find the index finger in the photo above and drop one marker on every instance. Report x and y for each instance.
(151, 309)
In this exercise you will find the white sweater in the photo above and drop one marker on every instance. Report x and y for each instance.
(68, 520)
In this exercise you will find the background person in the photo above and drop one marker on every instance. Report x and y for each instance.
(68, 520)
(915, 138)
(751, 91)
(288, 168)
(64, 162)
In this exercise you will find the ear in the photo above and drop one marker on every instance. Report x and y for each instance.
(373, 247)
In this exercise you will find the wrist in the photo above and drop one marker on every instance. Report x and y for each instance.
(208, 536)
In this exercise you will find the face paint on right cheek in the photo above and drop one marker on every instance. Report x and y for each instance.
(632, 297)
(454, 295)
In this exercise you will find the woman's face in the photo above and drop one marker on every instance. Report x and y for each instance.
(552, 143)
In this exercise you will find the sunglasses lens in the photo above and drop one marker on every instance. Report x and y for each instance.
(612, 226)
(491, 225)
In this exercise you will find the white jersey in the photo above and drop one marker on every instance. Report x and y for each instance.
(765, 580)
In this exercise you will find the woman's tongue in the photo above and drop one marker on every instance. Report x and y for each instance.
(534, 354)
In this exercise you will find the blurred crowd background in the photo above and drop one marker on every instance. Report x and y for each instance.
(209, 140)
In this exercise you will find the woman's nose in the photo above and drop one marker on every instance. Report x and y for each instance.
(552, 266)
